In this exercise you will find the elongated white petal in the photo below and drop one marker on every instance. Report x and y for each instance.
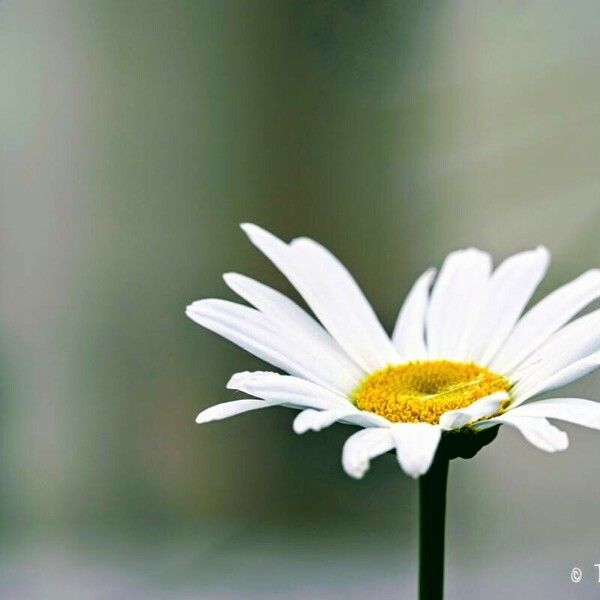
(365, 419)
(416, 445)
(288, 390)
(509, 290)
(484, 407)
(230, 409)
(363, 331)
(332, 294)
(573, 410)
(286, 314)
(536, 430)
(273, 303)
(546, 317)
(288, 350)
(315, 420)
(533, 386)
(409, 332)
(281, 390)
(455, 297)
(575, 341)
(361, 447)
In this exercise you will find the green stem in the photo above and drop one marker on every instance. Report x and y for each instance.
(432, 520)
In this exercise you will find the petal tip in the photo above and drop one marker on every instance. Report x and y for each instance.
(202, 418)
(356, 471)
(237, 379)
(563, 444)
(299, 428)
(544, 252)
(196, 305)
(190, 310)
(250, 229)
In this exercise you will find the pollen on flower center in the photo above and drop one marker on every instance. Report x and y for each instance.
(423, 391)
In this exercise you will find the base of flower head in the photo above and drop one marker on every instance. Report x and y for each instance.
(465, 443)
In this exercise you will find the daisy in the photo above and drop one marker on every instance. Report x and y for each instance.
(463, 358)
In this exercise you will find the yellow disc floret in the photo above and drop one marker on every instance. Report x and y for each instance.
(423, 391)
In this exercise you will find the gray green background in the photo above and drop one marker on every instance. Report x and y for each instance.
(134, 137)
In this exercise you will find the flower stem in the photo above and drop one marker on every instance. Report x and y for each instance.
(432, 520)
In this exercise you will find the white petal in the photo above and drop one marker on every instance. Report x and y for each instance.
(409, 332)
(286, 314)
(416, 445)
(536, 385)
(363, 446)
(230, 409)
(332, 294)
(288, 350)
(575, 341)
(275, 304)
(537, 431)
(277, 390)
(509, 290)
(546, 317)
(363, 418)
(573, 410)
(455, 297)
(484, 407)
(285, 389)
(319, 419)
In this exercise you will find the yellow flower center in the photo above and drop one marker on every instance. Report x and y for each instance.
(423, 391)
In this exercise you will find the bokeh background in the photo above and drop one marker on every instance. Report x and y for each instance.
(134, 138)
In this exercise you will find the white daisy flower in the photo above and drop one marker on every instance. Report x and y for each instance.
(461, 356)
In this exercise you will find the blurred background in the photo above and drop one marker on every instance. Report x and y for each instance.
(134, 138)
